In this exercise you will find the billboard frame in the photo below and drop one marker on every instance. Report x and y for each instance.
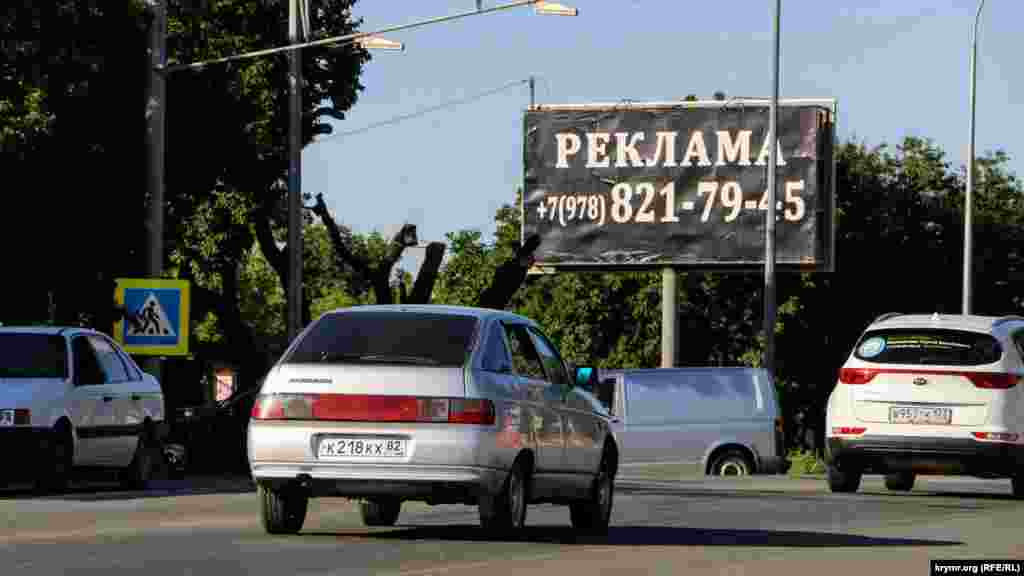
(828, 192)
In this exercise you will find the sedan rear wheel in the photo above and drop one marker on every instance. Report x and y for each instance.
(506, 511)
(283, 510)
(594, 515)
(843, 480)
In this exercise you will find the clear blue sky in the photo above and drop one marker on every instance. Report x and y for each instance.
(896, 67)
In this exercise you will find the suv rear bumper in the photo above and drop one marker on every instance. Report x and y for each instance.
(883, 454)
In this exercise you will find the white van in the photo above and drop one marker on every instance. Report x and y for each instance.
(717, 421)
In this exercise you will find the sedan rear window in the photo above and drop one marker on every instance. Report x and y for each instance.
(415, 338)
(928, 347)
(32, 356)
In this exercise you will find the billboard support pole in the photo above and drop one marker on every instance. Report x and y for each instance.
(669, 309)
(769, 229)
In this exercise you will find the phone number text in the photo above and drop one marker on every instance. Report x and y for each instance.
(640, 203)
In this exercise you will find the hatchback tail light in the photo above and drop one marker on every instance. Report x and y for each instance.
(371, 408)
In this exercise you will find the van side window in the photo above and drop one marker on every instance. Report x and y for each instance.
(525, 360)
(552, 362)
(496, 356)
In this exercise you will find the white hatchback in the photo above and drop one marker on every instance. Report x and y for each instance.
(71, 397)
(929, 394)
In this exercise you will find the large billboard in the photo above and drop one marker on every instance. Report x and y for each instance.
(678, 184)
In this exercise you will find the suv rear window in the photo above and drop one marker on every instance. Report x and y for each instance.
(426, 339)
(32, 356)
(928, 347)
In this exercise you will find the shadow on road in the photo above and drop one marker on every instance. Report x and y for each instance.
(93, 492)
(646, 536)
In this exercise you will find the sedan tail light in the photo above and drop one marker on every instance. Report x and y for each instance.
(848, 430)
(372, 408)
(996, 436)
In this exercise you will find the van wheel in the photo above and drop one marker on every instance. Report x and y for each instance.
(380, 512)
(594, 515)
(506, 511)
(283, 511)
(732, 463)
(847, 480)
(900, 481)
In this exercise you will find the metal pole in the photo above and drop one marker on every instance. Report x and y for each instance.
(294, 176)
(669, 309)
(156, 94)
(532, 93)
(969, 197)
(769, 229)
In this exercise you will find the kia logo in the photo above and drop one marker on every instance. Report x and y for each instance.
(919, 381)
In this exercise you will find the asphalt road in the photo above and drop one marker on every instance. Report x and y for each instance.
(771, 525)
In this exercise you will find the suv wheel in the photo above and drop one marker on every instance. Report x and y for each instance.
(380, 512)
(900, 481)
(846, 480)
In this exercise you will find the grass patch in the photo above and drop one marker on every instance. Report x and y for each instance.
(805, 462)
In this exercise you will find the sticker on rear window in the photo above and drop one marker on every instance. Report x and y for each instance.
(871, 347)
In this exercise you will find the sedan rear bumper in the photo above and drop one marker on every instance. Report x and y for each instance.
(434, 484)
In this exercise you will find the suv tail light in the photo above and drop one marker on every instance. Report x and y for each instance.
(369, 408)
(996, 436)
(856, 375)
(992, 380)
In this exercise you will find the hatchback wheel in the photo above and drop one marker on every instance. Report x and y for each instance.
(594, 515)
(380, 512)
(506, 511)
(845, 480)
(283, 510)
(901, 481)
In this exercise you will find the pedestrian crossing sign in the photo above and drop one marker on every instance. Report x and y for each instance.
(156, 316)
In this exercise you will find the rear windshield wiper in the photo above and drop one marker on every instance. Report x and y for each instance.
(386, 358)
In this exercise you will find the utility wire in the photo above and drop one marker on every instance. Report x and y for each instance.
(425, 111)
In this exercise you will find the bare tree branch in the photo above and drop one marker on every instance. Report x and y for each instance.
(343, 255)
(509, 276)
(427, 276)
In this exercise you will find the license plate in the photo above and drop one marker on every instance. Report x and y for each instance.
(337, 447)
(920, 415)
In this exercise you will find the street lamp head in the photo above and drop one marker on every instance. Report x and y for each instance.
(379, 43)
(555, 9)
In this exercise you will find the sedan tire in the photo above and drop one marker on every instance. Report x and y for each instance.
(592, 516)
(283, 511)
(506, 511)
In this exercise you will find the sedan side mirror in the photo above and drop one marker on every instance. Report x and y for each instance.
(585, 376)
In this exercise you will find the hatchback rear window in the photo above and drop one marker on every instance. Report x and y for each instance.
(415, 338)
(928, 347)
(32, 356)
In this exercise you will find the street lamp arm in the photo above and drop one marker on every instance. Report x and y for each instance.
(344, 39)
(977, 19)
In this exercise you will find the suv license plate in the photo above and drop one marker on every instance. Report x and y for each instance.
(920, 415)
(351, 447)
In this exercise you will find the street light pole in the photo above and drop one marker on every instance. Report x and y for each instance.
(969, 197)
(294, 292)
(769, 228)
(156, 96)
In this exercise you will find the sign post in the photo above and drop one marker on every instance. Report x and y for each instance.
(157, 316)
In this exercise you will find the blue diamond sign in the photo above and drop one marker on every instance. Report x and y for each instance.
(157, 316)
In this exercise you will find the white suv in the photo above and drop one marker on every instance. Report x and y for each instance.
(929, 394)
